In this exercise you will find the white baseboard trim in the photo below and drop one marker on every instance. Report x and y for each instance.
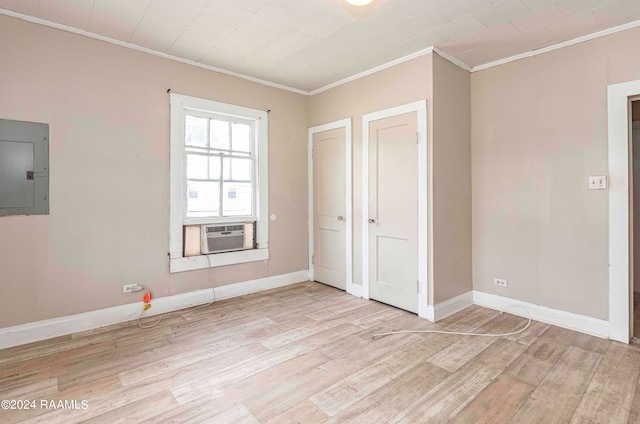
(355, 290)
(56, 327)
(571, 321)
(453, 305)
(261, 284)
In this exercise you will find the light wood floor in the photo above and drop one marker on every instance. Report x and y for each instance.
(304, 354)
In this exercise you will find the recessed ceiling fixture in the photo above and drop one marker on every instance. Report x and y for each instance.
(359, 2)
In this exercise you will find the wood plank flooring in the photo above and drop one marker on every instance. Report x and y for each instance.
(305, 354)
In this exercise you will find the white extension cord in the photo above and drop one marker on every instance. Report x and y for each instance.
(458, 333)
(171, 313)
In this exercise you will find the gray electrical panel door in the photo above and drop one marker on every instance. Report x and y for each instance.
(24, 168)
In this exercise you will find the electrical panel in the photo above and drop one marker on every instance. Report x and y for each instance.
(24, 168)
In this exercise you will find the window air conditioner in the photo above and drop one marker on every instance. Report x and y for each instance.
(226, 238)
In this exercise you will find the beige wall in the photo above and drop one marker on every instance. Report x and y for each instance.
(451, 164)
(539, 129)
(446, 89)
(108, 113)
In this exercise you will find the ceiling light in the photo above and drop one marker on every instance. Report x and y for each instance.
(359, 2)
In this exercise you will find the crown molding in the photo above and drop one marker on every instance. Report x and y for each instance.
(553, 47)
(372, 70)
(425, 51)
(147, 50)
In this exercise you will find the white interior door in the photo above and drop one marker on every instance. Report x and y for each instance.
(329, 210)
(393, 211)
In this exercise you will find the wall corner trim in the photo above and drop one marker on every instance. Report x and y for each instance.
(557, 317)
(62, 326)
(451, 58)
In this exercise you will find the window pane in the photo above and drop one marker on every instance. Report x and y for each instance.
(195, 131)
(238, 199)
(214, 168)
(197, 167)
(220, 135)
(203, 199)
(241, 137)
(238, 169)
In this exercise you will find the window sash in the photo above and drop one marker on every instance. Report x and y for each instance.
(229, 154)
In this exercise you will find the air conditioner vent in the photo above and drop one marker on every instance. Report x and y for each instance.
(227, 238)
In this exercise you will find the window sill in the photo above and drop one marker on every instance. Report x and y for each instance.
(218, 259)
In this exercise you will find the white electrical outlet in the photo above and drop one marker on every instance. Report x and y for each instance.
(129, 288)
(500, 282)
(598, 182)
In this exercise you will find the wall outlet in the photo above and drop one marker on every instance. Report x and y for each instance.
(130, 288)
(500, 282)
(598, 182)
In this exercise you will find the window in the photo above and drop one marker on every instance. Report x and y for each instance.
(221, 162)
(218, 175)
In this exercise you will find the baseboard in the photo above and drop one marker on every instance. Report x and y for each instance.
(453, 305)
(571, 321)
(56, 327)
(355, 290)
(261, 284)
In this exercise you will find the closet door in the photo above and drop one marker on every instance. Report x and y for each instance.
(329, 211)
(393, 211)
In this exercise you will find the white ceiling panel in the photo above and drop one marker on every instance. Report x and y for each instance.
(117, 18)
(305, 44)
(530, 38)
(73, 13)
(191, 45)
(461, 28)
(456, 9)
(226, 11)
(547, 16)
(500, 13)
(535, 5)
(163, 23)
(617, 11)
(272, 19)
(497, 33)
(385, 16)
(416, 7)
(577, 7)
(427, 19)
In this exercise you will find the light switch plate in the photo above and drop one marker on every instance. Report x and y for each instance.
(598, 182)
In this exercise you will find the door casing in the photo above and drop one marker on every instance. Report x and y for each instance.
(620, 206)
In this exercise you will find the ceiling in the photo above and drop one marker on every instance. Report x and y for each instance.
(308, 44)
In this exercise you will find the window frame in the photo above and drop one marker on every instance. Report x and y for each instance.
(229, 154)
(180, 105)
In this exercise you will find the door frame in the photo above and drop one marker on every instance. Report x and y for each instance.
(420, 107)
(346, 124)
(620, 207)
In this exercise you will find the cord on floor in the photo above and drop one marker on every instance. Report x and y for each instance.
(459, 333)
(171, 313)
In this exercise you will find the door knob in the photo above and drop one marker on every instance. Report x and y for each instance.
(372, 221)
(340, 218)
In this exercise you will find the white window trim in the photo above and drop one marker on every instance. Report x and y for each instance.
(179, 105)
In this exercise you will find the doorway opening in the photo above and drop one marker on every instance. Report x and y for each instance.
(620, 149)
